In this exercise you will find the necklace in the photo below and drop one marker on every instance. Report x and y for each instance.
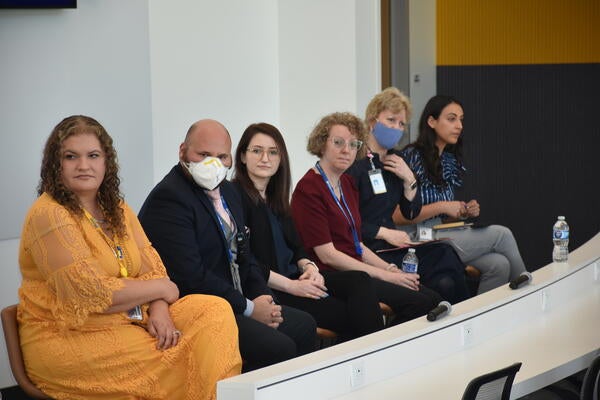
(114, 244)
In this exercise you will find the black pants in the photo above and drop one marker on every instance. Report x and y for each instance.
(352, 308)
(440, 269)
(407, 303)
(261, 345)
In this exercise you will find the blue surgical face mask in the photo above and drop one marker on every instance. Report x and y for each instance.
(387, 137)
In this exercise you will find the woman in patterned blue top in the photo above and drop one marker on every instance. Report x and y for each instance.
(436, 160)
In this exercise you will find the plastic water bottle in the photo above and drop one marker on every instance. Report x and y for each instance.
(560, 237)
(410, 262)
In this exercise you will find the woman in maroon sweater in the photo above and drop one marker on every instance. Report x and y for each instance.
(326, 214)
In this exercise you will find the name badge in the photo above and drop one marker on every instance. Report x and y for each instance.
(424, 233)
(377, 181)
(135, 313)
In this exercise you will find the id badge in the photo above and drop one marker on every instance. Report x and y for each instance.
(135, 313)
(424, 233)
(377, 181)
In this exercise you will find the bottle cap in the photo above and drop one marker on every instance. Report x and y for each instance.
(411, 250)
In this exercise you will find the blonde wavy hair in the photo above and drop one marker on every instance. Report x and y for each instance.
(389, 99)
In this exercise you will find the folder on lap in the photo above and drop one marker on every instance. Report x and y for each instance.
(453, 225)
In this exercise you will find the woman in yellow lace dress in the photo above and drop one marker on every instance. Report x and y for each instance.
(98, 316)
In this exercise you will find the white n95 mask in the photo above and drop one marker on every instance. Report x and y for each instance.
(208, 173)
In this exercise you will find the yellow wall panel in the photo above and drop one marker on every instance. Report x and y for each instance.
(497, 32)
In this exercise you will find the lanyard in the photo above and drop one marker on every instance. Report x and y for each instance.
(235, 273)
(233, 229)
(114, 245)
(343, 206)
(370, 156)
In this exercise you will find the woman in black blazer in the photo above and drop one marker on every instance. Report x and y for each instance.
(344, 302)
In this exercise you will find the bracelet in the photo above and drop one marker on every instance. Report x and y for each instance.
(413, 185)
(310, 263)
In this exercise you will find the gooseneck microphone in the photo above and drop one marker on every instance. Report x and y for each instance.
(442, 309)
(521, 280)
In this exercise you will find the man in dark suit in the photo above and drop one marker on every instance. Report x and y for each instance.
(194, 219)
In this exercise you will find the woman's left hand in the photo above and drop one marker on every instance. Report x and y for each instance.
(313, 275)
(397, 165)
(472, 209)
(161, 326)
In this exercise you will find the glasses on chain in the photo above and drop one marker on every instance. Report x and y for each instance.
(340, 143)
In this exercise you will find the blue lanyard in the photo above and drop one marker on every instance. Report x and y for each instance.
(233, 228)
(343, 208)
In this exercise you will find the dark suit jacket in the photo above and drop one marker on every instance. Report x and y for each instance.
(182, 224)
(261, 234)
(376, 210)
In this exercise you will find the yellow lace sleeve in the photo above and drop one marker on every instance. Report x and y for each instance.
(54, 244)
(152, 266)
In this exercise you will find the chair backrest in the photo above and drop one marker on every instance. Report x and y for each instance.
(495, 385)
(590, 389)
(15, 357)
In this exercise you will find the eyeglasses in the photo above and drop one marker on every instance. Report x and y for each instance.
(259, 151)
(340, 143)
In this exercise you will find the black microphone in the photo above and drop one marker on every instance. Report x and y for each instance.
(520, 280)
(442, 309)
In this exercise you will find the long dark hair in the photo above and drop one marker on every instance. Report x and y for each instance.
(278, 188)
(425, 142)
(109, 196)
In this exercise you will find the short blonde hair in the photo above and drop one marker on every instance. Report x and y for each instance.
(389, 99)
(320, 133)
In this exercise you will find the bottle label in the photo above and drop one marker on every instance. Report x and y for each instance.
(560, 234)
(409, 267)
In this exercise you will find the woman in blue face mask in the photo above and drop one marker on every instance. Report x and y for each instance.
(384, 182)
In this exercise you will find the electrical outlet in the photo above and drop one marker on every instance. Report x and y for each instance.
(467, 334)
(545, 304)
(357, 373)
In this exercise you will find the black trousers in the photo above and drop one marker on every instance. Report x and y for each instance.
(352, 308)
(261, 345)
(440, 269)
(407, 303)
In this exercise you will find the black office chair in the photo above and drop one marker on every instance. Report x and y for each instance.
(590, 389)
(492, 386)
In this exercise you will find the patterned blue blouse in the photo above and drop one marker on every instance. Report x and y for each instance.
(451, 173)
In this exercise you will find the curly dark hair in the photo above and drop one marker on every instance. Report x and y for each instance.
(425, 142)
(109, 195)
(320, 133)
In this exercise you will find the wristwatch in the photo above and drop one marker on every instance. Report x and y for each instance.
(413, 185)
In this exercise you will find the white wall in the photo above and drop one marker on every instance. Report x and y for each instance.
(148, 69)
(284, 62)
(317, 70)
(210, 60)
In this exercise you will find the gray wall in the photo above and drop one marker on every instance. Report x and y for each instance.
(91, 60)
